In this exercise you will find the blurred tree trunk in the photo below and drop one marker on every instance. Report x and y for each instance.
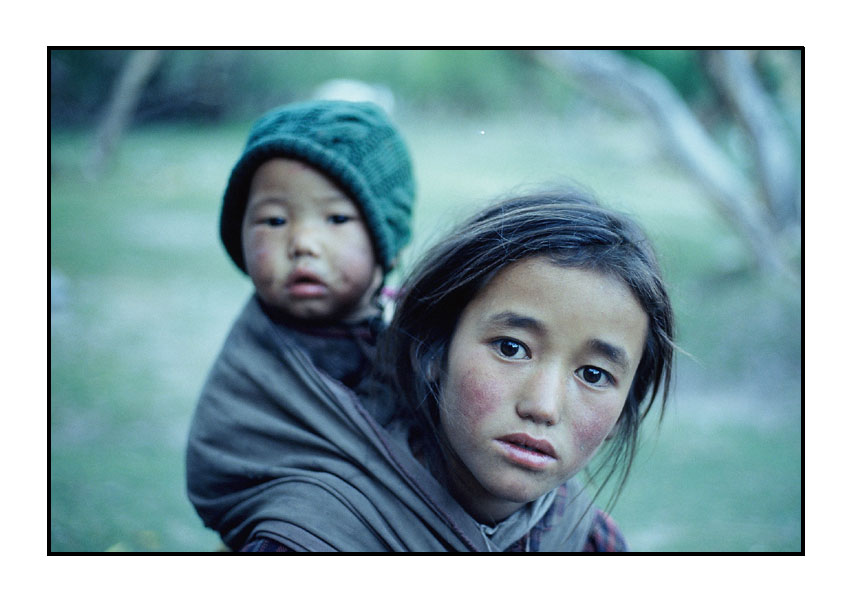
(736, 79)
(137, 71)
(645, 90)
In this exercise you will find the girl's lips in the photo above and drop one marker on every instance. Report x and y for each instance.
(526, 451)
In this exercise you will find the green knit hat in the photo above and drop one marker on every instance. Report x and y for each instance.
(353, 144)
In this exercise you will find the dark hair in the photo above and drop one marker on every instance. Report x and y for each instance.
(570, 229)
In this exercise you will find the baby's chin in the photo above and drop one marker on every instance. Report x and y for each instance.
(325, 311)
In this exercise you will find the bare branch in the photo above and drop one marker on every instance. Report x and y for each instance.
(645, 90)
(128, 87)
(778, 173)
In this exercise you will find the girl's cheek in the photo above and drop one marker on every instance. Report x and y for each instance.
(591, 427)
(478, 397)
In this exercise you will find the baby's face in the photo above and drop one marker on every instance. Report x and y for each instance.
(538, 371)
(306, 246)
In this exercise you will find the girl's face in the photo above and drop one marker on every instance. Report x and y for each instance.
(538, 371)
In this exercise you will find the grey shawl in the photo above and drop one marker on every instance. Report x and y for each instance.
(278, 449)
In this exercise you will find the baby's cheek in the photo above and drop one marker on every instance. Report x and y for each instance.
(256, 249)
(355, 265)
(259, 264)
(356, 271)
(257, 255)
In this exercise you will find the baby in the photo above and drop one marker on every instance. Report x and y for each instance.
(316, 211)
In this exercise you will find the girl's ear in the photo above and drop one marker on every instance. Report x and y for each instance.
(432, 371)
(426, 366)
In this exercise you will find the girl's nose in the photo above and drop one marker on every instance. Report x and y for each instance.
(543, 398)
(303, 241)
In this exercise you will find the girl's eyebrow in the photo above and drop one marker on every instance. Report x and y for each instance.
(518, 321)
(611, 352)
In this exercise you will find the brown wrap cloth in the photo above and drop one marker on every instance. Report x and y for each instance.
(278, 449)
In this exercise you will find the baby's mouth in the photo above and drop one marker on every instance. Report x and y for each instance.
(305, 284)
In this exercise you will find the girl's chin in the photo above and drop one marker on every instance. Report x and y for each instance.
(517, 494)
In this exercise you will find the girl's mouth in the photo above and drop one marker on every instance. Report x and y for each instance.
(526, 451)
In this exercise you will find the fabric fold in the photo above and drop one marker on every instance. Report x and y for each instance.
(279, 449)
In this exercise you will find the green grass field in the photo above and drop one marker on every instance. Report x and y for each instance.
(142, 295)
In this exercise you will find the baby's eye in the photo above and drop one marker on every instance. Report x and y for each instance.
(339, 219)
(594, 376)
(274, 221)
(509, 348)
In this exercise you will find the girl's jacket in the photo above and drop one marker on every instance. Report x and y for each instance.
(277, 449)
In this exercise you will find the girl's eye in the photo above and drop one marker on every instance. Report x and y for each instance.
(509, 348)
(594, 376)
(274, 221)
(338, 219)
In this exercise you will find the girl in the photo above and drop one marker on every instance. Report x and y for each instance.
(534, 334)
(525, 340)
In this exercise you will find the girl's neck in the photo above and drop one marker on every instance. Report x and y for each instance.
(480, 504)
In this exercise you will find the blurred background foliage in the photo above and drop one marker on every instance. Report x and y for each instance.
(211, 85)
(142, 294)
(204, 86)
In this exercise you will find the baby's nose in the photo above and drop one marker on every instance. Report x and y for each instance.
(304, 240)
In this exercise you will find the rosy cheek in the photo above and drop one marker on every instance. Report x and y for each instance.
(478, 398)
(590, 430)
(355, 270)
(256, 251)
(355, 264)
